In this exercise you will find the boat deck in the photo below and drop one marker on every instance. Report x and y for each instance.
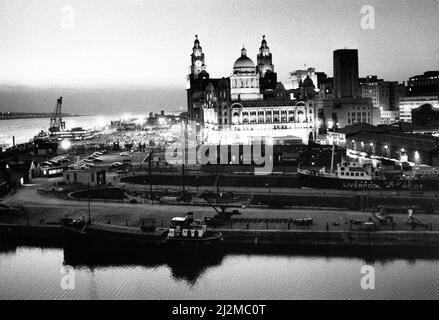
(99, 227)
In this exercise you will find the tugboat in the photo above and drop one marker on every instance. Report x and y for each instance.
(186, 230)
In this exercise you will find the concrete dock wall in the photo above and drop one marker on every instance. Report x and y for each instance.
(338, 238)
(38, 234)
(54, 235)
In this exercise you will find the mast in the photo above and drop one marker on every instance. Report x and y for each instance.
(332, 156)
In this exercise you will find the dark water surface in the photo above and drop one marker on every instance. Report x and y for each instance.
(35, 273)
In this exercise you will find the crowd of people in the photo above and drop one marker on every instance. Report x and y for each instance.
(128, 140)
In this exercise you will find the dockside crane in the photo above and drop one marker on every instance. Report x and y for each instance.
(56, 122)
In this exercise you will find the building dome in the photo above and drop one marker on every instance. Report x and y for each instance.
(243, 63)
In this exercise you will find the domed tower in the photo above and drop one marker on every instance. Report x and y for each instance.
(265, 69)
(244, 82)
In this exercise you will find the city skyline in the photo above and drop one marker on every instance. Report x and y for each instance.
(122, 44)
(195, 151)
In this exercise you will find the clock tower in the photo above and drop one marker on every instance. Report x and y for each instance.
(264, 59)
(197, 82)
(265, 70)
(197, 59)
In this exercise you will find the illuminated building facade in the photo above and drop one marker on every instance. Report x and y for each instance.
(250, 104)
(424, 85)
(391, 142)
(385, 95)
(244, 80)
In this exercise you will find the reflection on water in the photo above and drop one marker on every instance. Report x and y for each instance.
(34, 273)
(185, 264)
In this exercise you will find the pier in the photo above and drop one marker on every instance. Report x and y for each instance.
(30, 115)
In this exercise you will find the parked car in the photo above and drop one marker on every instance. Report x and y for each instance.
(115, 165)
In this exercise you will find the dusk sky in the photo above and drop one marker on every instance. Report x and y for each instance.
(134, 43)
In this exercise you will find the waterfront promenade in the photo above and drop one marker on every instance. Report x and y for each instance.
(50, 208)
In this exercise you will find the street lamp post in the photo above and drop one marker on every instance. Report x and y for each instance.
(89, 211)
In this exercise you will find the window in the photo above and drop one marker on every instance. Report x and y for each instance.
(92, 177)
(68, 177)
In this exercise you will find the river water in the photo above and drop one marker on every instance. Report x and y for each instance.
(25, 129)
(35, 273)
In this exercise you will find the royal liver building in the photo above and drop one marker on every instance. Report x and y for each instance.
(250, 103)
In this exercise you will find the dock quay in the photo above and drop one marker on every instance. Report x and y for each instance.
(54, 235)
